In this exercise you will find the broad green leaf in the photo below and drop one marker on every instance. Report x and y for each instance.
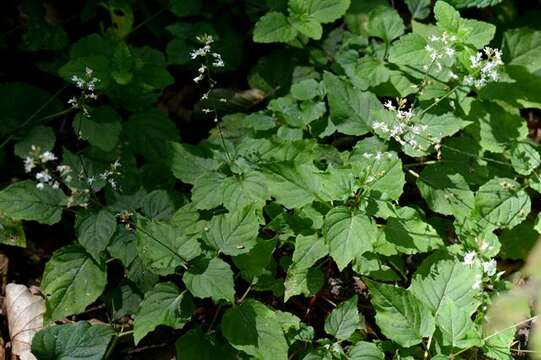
(498, 345)
(500, 203)
(493, 126)
(307, 25)
(148, 133)
(12, 232)
(350, 109)
(323, 11)
(210, 278)
(308, 250)
(523, 47)
(409, 50)
(94, 230)
(195, 344)
(164, 247)
(524, 158)
(479, 33)
(409, 234)
(23, 201)
(518, 241)
(78, 340)
(42, 137)
(306, 89)
(419, 9)
(445, 191)
(72, 280)
(364, 350)
(455, 325)
(385, 23)
(245, 189)
(185, 8)
(436, 280)
(303, 281)
(253, 328)
(447, 17)
(189, 162)
(157, 205)
(273, 27)
(400, 316)
(293, 185)
(348, 235)
(101, 129)
(207, 191)
(123, 300)
(459, 4)
(122, 64)
(365, 72)
(343, 320)
(165, 305)
(233, 233)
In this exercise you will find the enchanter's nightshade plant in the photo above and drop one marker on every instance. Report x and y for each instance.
(366, 196)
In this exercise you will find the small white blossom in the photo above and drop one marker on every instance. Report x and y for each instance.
(47, 156)
(469, 257)
(478, 282)
(29, 164)
(489, 267)
(40, 186)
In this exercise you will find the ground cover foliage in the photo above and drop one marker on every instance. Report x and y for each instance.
(300, 179)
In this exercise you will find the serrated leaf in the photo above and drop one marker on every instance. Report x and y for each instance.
(245, 189)
(157, 205)
(189, 162)
(523, 47)
(350, 109)
(197, 345)
(454, 323)
(233, 233)
(348, 235)
(324, 11)
(253, 328)
(94, 229)
(419, 9)
(255, 262)
(101, 129)
(210, 278)
(400, 316)
(364, 350)
(343, 320)
(42, 137)
(164, 247)
(437, 280)
(445, 191)
(500, 203)
(303, 281)
(273, 27)
(72, 280)
(524, 158)
(385, 23)
(165, 305)
(23, 201)
(308, 249)
(79, 340)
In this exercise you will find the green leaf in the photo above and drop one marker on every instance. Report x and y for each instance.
(303, 281)
(459, 4)
(410, 234)
(419, 9)
(165, 305)
(164, 247)
(123, 300)
(307, 25)
(122, 64)
(210, 278)
(455, 325)
(42, 137)
(523, 47)
(343, 320)
(500, 203)
(190, 162)
(524, 158)
(350, 109)
(157, 205)
(323, 11)
(185, 8)
(293, 185)
(94, 230)
(253, 328)
(498, 346)
(365, 351)
(148, 133)
(409, 50)
(23, 201)
(306, 89)
(79, 340)
(72, 280)
(518, 241)
(385, 23)
(101, 129)
(245, 189)
(348, 235)
(255, 262)
(195, 344)
(273, 27)
(437, 280)
(12, 232)
(233, 233)
(445, 191)
(400, 316)
(447, 17)
(308, 250)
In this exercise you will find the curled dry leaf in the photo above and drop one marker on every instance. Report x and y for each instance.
(24, 310)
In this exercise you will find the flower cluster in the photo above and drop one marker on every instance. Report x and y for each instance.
(107, 176)
(46, 176)
(205, 51)
(485, 70)
(489, 267)
(439, 48)
(87, 84)
(403, 130)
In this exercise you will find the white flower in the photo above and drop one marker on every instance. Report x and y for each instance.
(43, 176)
(367, 155)
(489, 267)
(47, 156)
(29, 164)
(116, 164)
(476, 60)
(478, 282)
(389, 105)
(40, 186)
(450, 51)
(90, 180)
(197, 79)
(469, 257)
